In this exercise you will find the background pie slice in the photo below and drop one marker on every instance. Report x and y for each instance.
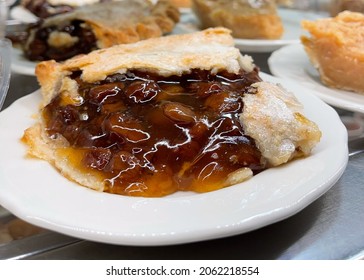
(335, 48)
(246, 19)
(98, 26)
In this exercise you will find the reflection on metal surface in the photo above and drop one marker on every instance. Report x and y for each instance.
(356, 146)
(5, 73)
(34, 245)
(19, 240)
(359, 256)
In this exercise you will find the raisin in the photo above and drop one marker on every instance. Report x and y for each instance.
(205, 89)
(142, 91)
(223, 102)
(97, 158)
(179, 113)
(127, 127)
(107, 93)
(123, 161)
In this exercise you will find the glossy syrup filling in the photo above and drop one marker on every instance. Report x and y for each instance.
(148, 135)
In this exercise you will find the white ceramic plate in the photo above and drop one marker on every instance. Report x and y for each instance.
(292, 30)
(21, 65)
(37, 193)
(292, 63)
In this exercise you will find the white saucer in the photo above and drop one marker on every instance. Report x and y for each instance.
(21, 65)
(35, 192)
(23, 15)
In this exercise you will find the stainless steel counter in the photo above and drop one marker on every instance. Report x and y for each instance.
(330, 228)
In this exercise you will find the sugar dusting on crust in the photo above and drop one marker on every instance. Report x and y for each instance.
(273, 117)
(246, 62)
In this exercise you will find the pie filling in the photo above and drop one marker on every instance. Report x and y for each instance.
(60, 42)
(148, 135)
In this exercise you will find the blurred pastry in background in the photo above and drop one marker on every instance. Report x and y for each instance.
(98, 26)
(16, 229)
(335, 48)
(338, 6)
(19, 229)
(181, 3)
(5, 236)
(247, 19)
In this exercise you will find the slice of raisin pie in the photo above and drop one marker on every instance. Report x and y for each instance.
(177, 113)
(98, 26)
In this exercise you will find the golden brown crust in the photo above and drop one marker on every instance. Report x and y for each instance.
(245, 21)
(335, 49)
(50, 77)
(53, 150)
(274, 118)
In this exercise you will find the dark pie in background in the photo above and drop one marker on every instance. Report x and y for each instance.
(98, 26)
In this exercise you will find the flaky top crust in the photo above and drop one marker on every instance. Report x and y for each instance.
(166, 56)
